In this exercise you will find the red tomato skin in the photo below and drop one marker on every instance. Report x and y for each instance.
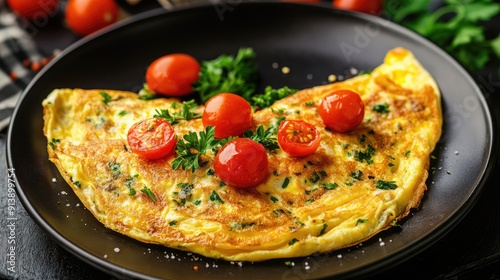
(229, 114)
(342, 111)
(152, 138)
(173, 74)
(34, 9)
(373, 7)
(87, 16)
(290, 143)
(241, 163)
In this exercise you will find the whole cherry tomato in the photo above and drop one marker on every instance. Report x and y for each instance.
(173, 74)
(152, 138)
(34, 9)
(229, 114)
(374, 7)
(341, 111)
(87, 16)
(241, 163)
(298, 138)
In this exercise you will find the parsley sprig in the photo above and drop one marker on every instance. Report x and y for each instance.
(186, 113)
(266, 138)
(270, 95)
(192, 146)
(456, 26)
(228, 73)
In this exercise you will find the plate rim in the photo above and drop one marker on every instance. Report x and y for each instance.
(387, 262)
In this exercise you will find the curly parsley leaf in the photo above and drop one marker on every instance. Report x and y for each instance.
(266, 137)
(192, 146)
(385, 185)
(271, 95)
(227, 73)
(186, 113)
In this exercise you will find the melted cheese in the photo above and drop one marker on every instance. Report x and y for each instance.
(314, 204)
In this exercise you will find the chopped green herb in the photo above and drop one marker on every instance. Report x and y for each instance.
(77, 183)
(310, 103)
(241, 226)
(315, 177)
(382, 108)
(197, 202)
(185, 193)
(390, 164)
(323, 230)
(293, 241)
(172, 223)
(274, 199)
(365, 155)
(357, 175)
(362, 139)
(131, 192)
(329, 186)
(407, 153)
(214, 197)
(128, 184)
(361, 221)
(149, 193)
(53, 143)
(285, 183)
(106, 97)
(122, 113)
(114, 168)
(385, 185)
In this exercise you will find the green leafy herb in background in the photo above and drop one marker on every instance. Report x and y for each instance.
(456, 26)
(227, 73)
(270, 95)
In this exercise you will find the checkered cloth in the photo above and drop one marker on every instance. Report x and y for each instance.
(17, 51)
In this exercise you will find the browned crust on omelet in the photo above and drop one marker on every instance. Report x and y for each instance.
(267, 221)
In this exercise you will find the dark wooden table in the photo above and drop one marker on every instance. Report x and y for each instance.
(471, 250)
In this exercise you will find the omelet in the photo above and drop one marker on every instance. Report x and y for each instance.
(355, 185)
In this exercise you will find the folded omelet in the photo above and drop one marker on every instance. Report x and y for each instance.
(355, 185)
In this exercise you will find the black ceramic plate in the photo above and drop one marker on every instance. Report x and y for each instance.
(313, 42)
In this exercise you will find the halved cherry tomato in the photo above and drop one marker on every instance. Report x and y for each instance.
(152, 138)
(298, 138)
(228, 113)
(87, 16)
(38, 10)
(241, 163)
(373, 7)
(173, 74)
(342, 111)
